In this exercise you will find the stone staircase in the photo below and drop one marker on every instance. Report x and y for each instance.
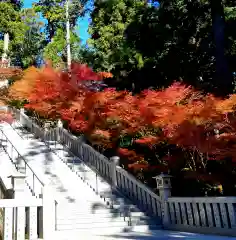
(8, 168)
(88, 208)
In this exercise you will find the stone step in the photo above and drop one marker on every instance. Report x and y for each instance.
(75, 186)
(80, 219)
(112, 235)
(117, 223)
(97, 214)
(104, 216)
(86, 216)
(106, 231)
(98, 210)
(70, 207)
(119, 236)
(80, 208)
(90, 198)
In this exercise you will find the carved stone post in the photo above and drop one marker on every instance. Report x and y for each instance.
(59, 127)
(22, 119)
(18, 185)
(164, 187)
(115, 161)
(49, 220)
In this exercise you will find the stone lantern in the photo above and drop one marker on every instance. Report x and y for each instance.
(163, 185)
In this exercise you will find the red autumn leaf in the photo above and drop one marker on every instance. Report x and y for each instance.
(138, 166)
(148, 140)
(105, 74)
(55, 91)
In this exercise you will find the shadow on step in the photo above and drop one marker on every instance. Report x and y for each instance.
(115, 213)
(23, 132)
(121, 207)
(163, 235)
(55, 180)
(118, 205)
(72, 161)
(40, 159)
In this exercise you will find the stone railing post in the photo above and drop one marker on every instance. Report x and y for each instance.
(46, 128)
(115, 161)
(18, 185)
(18, 188)
(49, 220)
(59, 127)
(22, 120)
(164, 187)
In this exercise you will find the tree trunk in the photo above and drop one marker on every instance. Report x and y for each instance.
(223, 75)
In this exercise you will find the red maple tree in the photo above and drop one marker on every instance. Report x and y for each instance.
(56, 91)
(191, 127)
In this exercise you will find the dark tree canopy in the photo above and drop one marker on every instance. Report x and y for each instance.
(145, 44)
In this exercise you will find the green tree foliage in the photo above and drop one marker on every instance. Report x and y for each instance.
(179, 36)
(56, 49)
(54, 12)
(146, 46)
(17, 4)
(88, 56)
(30, 39)
(230, 18)
(10, 22)
(109, 21)
(30, 50)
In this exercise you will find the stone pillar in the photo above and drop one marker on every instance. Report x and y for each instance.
(49, 213)
(59, 127)
(22, 119)
(18, 185)
(164, 187)
(115, 161)
(46, 135)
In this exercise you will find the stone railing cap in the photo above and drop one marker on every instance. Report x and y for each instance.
(17, 175)
(163, 176)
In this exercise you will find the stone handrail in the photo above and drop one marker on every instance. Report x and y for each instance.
(198, 214)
